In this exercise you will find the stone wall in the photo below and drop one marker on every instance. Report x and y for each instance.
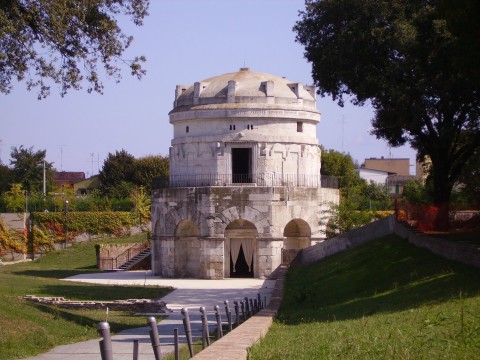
(349, 240)
(448, 249)
(193, 226)
(14, 221)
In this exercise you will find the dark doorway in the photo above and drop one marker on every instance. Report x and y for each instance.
(241, 268)
(241, 165)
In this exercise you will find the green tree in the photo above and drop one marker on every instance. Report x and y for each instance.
(415, 192)
(27, 168)
(62, 42)
(117, 171)
(341, 165)
(468, 186)
(5, 178)
(15, 199)
(147, 168)
(142, 206)
(375, 197)
(405, 59)
(345, 217)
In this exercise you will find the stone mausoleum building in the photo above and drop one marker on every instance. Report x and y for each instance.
(244, 178)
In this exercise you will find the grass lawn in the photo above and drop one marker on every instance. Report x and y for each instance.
(384, 300)
(29, 328)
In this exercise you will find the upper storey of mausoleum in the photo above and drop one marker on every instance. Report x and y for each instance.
(245, 93)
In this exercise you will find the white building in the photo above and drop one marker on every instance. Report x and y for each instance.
(377, 177)
(244, 178)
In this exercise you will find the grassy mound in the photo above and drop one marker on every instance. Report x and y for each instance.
(384, 300)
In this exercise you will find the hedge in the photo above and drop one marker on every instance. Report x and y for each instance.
(94, 223)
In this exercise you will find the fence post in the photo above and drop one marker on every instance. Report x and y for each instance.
(247, 307)
(188, 330)
(252, 309)
(242, 304)
(205, 331)
(237, 312)
(219, 322)
(106, 344)
(260, 306)
(135, 349)
(229, 315)
(155, 339)
(175, 340)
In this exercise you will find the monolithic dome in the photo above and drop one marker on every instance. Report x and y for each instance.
(245, 184)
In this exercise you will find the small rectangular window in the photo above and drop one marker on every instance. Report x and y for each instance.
(299, 126)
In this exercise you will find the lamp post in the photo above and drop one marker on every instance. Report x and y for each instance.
(66, 224)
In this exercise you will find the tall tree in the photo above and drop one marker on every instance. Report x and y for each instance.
(405, 58)
(148, 168)
(27, 168)
(5, 175)
(341, 165)
(64, 40)
(117, 171)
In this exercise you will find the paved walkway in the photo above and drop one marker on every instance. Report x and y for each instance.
(190, 293)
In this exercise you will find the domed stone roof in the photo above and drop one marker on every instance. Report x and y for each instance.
(244, 87)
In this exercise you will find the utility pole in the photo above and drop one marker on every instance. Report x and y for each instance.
(343, 129)
(61, 157)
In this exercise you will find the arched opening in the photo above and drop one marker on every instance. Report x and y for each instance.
(240, 268)
(186, 250)
(240, 249)
(297, 233)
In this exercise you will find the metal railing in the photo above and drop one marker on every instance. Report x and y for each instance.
(111, 263)
(263, 179)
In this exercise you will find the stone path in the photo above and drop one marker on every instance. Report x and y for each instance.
(189, 293)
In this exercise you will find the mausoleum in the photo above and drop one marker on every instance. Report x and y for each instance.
(245, 181)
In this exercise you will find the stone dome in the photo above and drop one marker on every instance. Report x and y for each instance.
(244, 89)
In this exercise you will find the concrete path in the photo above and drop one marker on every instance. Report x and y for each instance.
(189, 293)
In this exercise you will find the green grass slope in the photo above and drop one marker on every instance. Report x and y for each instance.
(28, 328)
(384, 300)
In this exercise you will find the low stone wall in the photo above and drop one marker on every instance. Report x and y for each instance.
(146, 306)
(448, 249)
(348, 240)
(14, 221)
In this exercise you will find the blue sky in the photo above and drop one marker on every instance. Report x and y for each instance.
(184, 41)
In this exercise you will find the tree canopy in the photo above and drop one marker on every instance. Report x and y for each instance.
(117, 170)
(27, 168)
(407, 59)
(122, 172)
(63, 41)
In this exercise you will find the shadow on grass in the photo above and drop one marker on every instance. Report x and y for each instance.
(80, 319)
(81, 291)
(384, 276)
(55, 274)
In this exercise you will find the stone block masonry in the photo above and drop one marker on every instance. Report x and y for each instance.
(143, 306)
